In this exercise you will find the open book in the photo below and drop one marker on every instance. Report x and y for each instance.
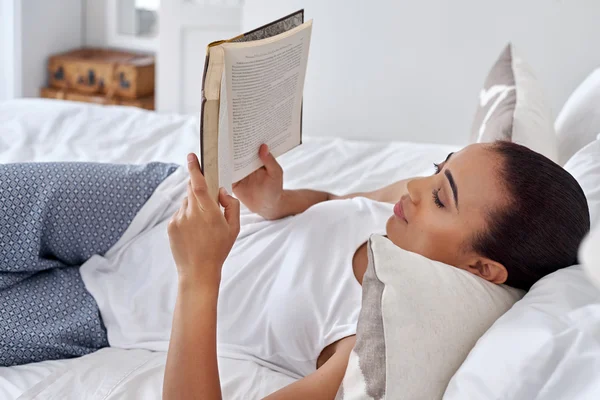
(252, 94)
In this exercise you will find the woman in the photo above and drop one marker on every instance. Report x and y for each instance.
(499, 211)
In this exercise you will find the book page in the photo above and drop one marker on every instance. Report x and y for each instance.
(265, 81)
(225, 146)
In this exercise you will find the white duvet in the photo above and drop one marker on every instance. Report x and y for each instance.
(136, 302)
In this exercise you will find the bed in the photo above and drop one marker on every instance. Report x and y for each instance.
(47, 130)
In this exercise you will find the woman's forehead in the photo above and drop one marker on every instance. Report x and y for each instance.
(475, 155)
(475, 170)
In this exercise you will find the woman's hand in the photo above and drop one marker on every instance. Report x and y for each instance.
(201, 236)
(262, 190)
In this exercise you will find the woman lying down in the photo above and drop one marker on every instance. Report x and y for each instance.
(288, 285)
(501, 211)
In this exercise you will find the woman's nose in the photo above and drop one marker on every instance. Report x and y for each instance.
(413, 187)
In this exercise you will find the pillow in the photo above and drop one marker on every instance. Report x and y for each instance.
(512, 107)
(419, 320)
(585, 167)
(545, 347)
(579, 120)
(589, 255)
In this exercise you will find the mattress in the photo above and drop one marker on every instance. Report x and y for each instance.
(50, 130)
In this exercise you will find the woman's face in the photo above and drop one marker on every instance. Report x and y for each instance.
(440, 214)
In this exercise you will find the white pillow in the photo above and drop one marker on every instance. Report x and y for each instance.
(546, 347)
(585, 167)
(419, 320)
(589, 255)
(579, 120)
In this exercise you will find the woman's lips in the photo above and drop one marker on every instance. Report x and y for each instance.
(399, 211)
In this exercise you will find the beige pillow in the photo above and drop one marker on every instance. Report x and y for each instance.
(419, 320)
(512, 106)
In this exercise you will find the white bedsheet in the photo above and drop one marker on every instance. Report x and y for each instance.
(46, 130)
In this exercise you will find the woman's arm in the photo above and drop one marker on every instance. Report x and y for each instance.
(201, 237)
(262, 191)
(324, 383)
(297, 201)
(191, 371)
(387, 194)
(294, 202)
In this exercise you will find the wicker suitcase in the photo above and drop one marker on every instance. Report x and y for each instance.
(146, 102)
(107, 72)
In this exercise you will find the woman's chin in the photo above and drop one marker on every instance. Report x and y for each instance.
(395, 229)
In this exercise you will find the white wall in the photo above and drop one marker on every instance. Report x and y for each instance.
(95, 22)
(47, 27)
(8, 60)
(186, 28)
(100, 19)
(412, 70)
(30, 31)
(3, 61)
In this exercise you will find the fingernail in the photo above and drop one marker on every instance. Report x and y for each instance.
(225, 191)
(190, 157)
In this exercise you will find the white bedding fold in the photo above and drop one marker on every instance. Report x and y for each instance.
(115, 374)
(135, 282)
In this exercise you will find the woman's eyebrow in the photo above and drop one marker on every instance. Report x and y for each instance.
(447, 158)
(452, 185)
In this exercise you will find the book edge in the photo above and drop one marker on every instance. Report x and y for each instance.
(300, 11)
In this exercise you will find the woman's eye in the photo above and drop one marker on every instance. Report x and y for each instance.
(437, 168)
(436, 198)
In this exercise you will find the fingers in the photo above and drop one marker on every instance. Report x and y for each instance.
(190, 195)
(173, 222)
(232, 211)
(199, 187)
(271, 165)
(180, 211)
(184, 205)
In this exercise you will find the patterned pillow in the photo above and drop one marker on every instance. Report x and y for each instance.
(419, 320)
(512, 106)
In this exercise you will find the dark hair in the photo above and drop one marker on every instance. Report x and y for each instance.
(544, 223)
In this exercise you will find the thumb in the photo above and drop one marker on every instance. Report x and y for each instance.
(232, 211)
(272, 166)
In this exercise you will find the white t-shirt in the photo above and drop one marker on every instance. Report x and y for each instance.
(288, 289)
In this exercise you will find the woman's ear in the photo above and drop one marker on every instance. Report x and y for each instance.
(489, 270)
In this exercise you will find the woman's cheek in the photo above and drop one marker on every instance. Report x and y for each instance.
(397, 232)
